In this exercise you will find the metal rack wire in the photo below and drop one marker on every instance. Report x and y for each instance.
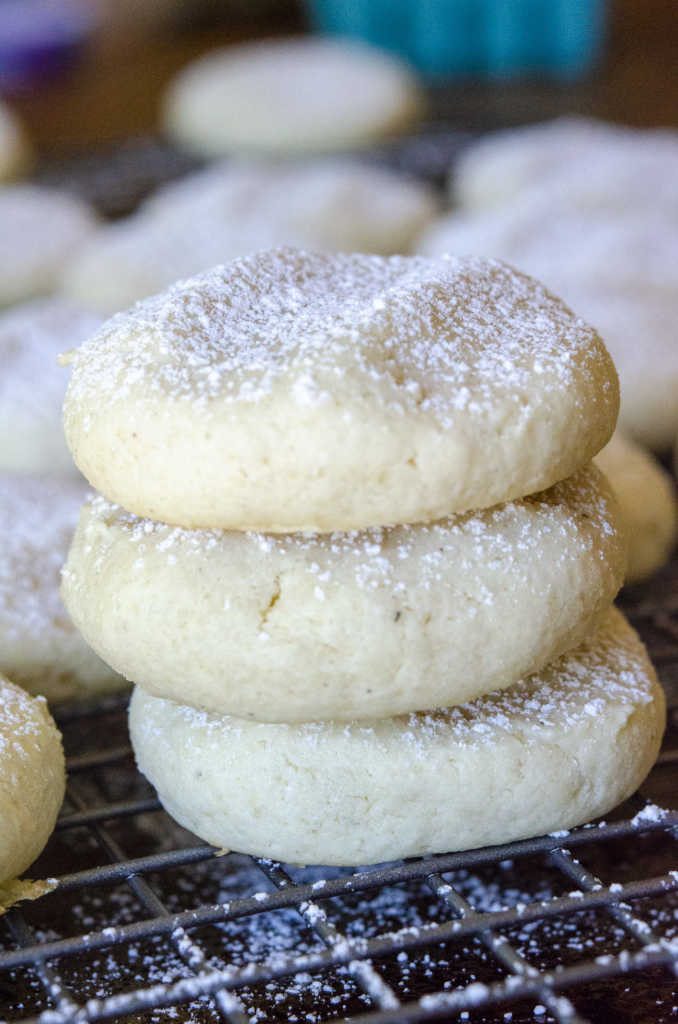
(448, 937)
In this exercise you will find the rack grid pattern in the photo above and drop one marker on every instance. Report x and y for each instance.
(334, 965)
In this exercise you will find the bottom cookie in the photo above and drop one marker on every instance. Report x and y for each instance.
(556, 749)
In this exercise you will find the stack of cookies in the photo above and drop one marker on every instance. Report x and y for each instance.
(349, 546)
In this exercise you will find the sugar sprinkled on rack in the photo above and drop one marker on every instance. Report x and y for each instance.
(651, 812)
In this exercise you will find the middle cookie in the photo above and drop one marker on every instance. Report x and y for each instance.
(346, 625)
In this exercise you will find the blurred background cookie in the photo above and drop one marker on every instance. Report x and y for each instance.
(41, 229)
(33, 385)
(233, 209)
(647, 500)
(296, 95)
(40, 648)
(578, 154)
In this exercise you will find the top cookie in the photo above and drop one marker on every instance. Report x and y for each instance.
(302, 391)
(299, 95)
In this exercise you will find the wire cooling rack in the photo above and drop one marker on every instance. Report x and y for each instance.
(148, 924)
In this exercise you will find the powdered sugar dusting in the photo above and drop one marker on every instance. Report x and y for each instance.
(415, 333)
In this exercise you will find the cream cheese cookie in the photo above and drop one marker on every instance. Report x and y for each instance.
(640, 333)
(647, 502)
(32, 385)
(32, 778)
(304, 391)
(290, 627)
(15, 150)
(40, 647)
(41, 229)
(239, 207)
(554, 750)
(296, 95)
(568, 245)
(577, 154)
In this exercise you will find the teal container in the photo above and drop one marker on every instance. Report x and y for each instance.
(502, 38)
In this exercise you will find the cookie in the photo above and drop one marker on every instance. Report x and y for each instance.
(41, 229)
(32, 385)
(237, 208)
(302, 391)
(570, 245)
(554, 750)
(577, 154)
(32, 778)
(298, 95)
(391, 620)
(647, 502)
(640, 333)
(40, 648)
(15, 150)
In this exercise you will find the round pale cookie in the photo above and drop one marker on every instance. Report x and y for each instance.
(570, 245)
(32, 385)
(40, 647)
(304, 391)
(295, 95)
(15, 150)
(647, 502)
(553, 751)
(501, 167)
(238, 208)
(32, 778)
(41, 229)
(341, 626)
(640, 333)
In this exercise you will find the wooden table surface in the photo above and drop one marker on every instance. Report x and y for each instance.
(114, 91)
